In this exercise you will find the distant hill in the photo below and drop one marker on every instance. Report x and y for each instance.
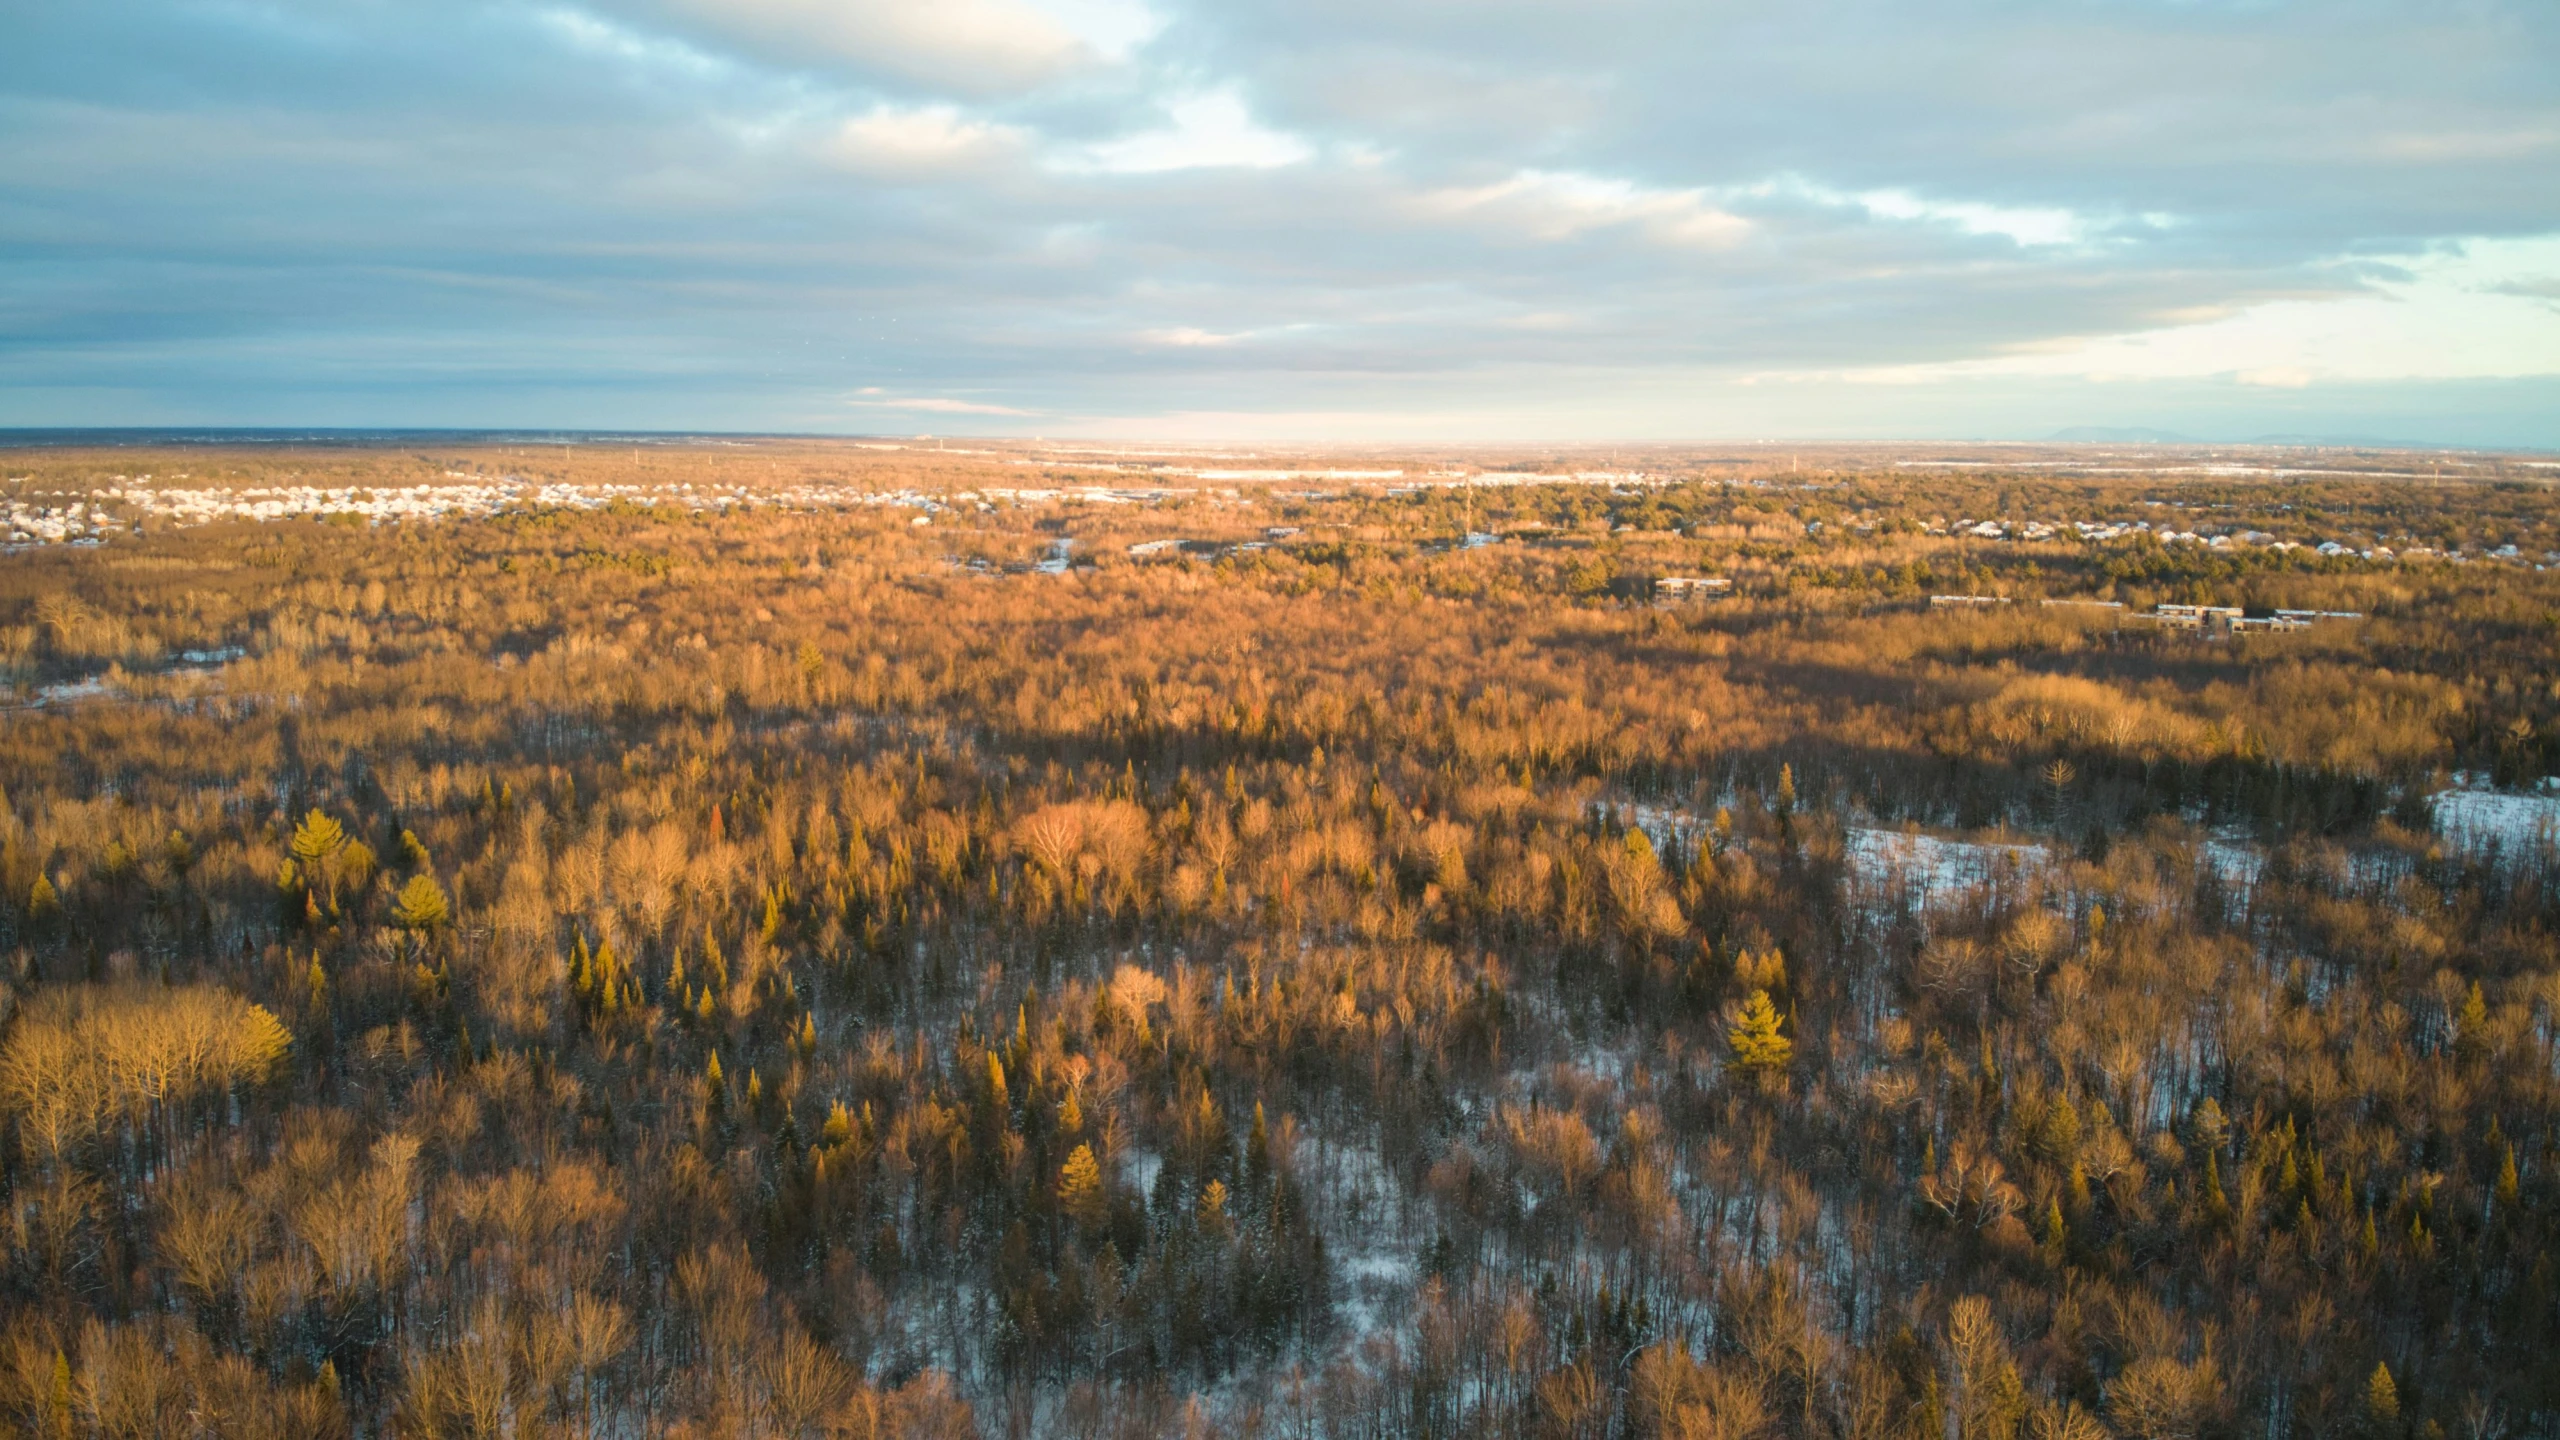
(2123, 435)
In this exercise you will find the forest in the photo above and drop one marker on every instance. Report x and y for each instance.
(795, 940)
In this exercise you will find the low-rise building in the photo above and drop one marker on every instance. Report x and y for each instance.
(1678, 589)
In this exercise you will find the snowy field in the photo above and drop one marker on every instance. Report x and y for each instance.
(133, 502)
(1928, 865)
(106, 686)
(2515, 825)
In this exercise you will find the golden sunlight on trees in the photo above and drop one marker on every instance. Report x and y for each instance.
(1080, 1186)
(79, 1060)
(422, 904)
(755, 966)
(1753, 1040)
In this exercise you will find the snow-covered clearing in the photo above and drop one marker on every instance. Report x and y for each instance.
(2514, 825)
(1927, 864)
(111, 684)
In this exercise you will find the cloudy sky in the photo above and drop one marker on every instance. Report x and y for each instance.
(1301, 219)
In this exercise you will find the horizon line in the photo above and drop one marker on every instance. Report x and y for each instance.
(70, 437)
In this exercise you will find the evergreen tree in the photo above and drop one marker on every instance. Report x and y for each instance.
(1080, 1187)
(2471, 1026)
(316, 843)
(1755, 1042)
(422, 905)
(2381, 1403)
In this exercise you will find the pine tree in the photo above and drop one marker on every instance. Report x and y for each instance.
(2471, 1026)
(1080, 1186)
(316, 839)
(1757, 1046)
(316, 843)
(2217, 1205)
(422, 905)
(1257, 1154)
(2381, 1402)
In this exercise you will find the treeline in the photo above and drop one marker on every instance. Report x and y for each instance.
(786, 987)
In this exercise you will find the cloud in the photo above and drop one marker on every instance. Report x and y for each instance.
(2031, 225)
(935, 404)
(1187, 337)
(1549, 218)
(2457, 313)
(971, 47)
(924, 140)
(1203, 130)
(2515, 144)
(2024, 224)
(1113, 28)
(1551, 206)
(2277, 377)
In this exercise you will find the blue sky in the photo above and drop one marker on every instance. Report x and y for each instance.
(1318, 219)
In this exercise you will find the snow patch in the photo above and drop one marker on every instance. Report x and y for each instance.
(1928, 864)
(2515, 825)
(1138, 1168)
(72, 691)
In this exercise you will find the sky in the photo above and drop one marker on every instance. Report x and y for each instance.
(1302, 220)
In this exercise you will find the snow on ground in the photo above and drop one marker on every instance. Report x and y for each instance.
(1139, 1168)
(2480, 819)
(2237, 859)
(1926, 866)
(1929, 865)
(1662, 826)
(71, 692)
(102, 686)
(126, 506)
(1375, 1265)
